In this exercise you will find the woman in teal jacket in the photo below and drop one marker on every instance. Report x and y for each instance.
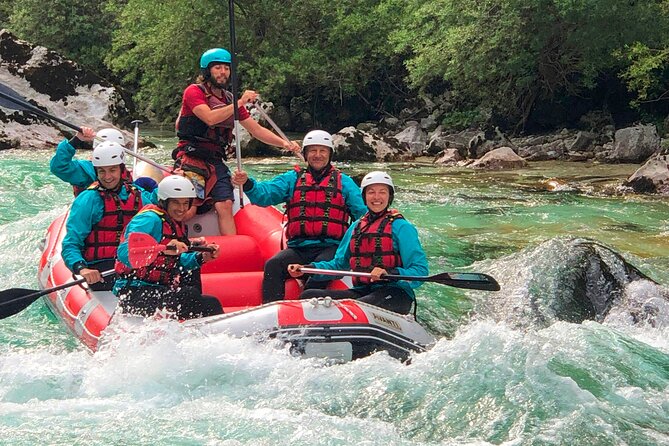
(381, 242)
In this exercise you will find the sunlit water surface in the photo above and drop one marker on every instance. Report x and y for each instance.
(485, 382)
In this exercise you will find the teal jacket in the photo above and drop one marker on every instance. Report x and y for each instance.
(86, 210)
(79, 173)
(280, 189)
(405, 242)
(148, 223)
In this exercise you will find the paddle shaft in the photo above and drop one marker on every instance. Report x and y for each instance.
(37, 111)
(14, 300)
(235, 95)
(475, 281)
(191, 248)
(135, 141)
(274, 126)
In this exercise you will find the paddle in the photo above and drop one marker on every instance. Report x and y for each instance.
(15, 300)
(144, 249)
(235, 95)
(274, 126)
(15, 101)
(472, 281)
(135, 140)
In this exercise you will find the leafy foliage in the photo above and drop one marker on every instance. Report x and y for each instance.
(80, 29)
(511, 53)
(346, 61)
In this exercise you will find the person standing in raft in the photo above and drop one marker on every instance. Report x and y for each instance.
(99, 215)
(320, 201)
(81, 173)
(172, 280)
(204, 127)
(381, 242)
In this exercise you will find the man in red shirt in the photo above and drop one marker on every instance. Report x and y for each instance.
(204, 128)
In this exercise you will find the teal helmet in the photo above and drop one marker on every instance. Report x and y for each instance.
(217, 55)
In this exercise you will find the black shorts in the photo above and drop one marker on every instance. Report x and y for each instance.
(223, 189)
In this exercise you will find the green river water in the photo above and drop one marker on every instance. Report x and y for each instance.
(496, 375)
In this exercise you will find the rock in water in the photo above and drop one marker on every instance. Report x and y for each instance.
(568, 279)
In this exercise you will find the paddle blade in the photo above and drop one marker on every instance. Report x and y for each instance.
(11, 99)
(15, 300)
(143, 249)
(472, 281)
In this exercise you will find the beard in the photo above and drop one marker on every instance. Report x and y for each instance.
(215, 84)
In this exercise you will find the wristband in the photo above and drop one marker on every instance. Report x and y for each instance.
(79, 144)
(77, 267)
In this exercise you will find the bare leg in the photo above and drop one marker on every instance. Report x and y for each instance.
(226, 222)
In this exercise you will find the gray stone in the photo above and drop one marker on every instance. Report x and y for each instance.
(635, 144)
(59, 86)
(414, 137)
(448, 157)
(652, 177)
(352, 144)
(497, 159)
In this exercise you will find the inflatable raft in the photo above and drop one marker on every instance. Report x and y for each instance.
(340, 330)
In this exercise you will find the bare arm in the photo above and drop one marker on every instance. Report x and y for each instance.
(213, 116)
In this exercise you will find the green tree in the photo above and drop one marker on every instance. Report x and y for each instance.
(509, 54)
(79, 29)
(157, 46)
(5, 11)
(315, 51)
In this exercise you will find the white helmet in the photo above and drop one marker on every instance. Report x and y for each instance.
(377, 177)
(108, 153)
(108, 135)
(175, 186)
(318, 138)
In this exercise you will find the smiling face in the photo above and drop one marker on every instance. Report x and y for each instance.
(317, 156)
(109, 176)
(177, 208)
(377, 197)
(220, 73)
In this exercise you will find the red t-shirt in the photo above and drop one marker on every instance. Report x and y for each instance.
(194, 96)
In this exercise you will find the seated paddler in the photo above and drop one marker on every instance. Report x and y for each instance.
(381, 242)
(169, 280)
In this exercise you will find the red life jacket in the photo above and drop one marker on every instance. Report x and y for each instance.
(372, 245)
(165, 269)
(192, 130)
(102, 241)
(317, 210)
(125, 176)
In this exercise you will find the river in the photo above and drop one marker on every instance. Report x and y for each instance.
(490, 379)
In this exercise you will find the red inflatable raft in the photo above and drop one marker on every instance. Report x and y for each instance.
(342, 330)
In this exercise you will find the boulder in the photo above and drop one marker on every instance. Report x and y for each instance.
(497, 159)
(583, 142)
(61, 88)
(352, 144)
(652, 177)
(448, 157)
(414, 137)
(466, 142)
(635, 144)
